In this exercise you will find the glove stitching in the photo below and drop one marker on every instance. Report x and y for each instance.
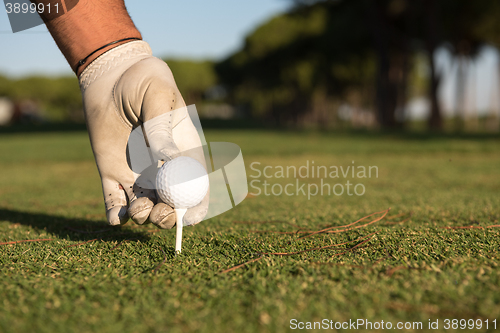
(132, 47)
(100, 69)
(100, 66)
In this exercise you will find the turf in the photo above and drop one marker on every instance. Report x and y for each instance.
(90, 277)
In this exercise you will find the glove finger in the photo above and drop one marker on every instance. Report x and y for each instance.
(163, 216)
(117, 215)
(197, 213)
(115, 202)
(140, 208)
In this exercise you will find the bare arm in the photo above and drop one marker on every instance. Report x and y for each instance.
(90, 25)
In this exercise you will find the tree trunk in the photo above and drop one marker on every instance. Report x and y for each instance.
(460, 92)
(384, 100)
(392, 67)
(435, 121)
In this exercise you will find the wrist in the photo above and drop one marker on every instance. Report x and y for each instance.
(90, 25)
(83, 63)
(114, 62)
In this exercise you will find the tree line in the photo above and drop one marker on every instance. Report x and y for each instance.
(362, 51)
(301, 66)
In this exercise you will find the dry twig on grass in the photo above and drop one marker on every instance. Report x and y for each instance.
(399, 222)
(262, 254)
(391, 271)
(89, 241)
(161, 264)
(315, 249)
(396, 216)
(240, 265)
(348, 227)
(353, 248)
(343, 228)
(399, 215)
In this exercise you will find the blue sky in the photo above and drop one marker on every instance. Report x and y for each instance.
(188, 28)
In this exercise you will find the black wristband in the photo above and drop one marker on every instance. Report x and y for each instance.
(84, 60)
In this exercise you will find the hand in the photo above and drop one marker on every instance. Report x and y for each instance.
(125, 88)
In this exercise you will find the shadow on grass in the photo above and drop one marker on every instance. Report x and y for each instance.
(43, 128)
(72, 229)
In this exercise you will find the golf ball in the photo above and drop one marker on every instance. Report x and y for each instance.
(182, 182)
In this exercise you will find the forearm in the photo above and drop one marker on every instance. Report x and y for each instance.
(90, 25)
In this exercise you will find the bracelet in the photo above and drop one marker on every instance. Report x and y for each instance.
(84, 60)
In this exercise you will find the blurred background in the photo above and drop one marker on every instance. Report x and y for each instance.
(390, 64)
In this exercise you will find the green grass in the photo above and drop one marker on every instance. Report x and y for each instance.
(128, 280)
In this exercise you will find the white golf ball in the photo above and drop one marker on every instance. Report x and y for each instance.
(182, 182)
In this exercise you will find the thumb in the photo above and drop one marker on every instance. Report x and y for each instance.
(148, 94)
(158, 133)
(159, 110)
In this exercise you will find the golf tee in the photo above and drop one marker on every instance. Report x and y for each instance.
(178, 237)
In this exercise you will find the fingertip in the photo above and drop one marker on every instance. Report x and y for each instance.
(196, 214)
(140, 209)
(117, 215)
(163, 216)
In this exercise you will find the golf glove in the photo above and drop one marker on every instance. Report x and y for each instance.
(125, 88)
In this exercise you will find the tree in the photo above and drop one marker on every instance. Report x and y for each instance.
(193, 78)
(306, 54)
(337, 45)
(59, 98)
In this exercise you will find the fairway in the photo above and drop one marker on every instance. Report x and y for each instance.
(412, 266)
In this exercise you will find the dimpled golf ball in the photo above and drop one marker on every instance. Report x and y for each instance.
(182, 182)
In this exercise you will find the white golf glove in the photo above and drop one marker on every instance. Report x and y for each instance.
(123, 89)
